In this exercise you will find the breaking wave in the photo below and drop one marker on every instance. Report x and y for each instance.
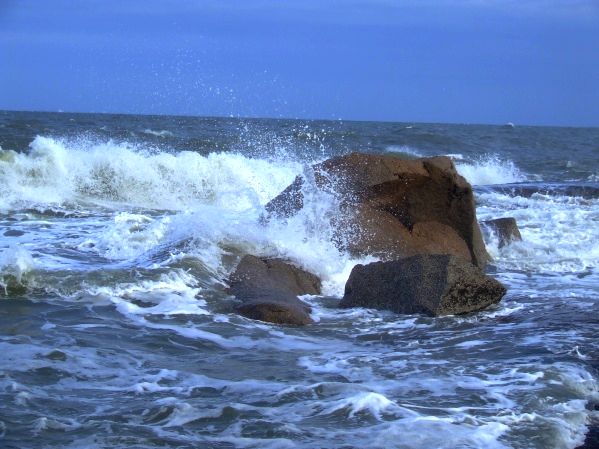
(490, 169)
(56, 171)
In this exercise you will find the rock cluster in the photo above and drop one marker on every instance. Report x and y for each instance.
(417, 216)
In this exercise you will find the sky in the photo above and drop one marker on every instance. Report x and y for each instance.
(454, 61)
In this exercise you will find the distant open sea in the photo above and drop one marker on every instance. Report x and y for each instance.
(117, 235)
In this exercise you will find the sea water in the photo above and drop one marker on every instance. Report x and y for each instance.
(118, 233)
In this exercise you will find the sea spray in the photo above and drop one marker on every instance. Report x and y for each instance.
(490, 169)
(223, 194)
(16, 267)
(56, 172)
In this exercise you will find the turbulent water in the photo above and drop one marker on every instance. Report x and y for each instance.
(117, 234)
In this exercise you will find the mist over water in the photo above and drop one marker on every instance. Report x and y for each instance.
(117, 235)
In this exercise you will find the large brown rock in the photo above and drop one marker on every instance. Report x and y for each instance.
(430, 284)
(268, 290)
(391, 207)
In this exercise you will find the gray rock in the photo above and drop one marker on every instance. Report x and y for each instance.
(506, 230)
(430, 284)
(591, 440)
(268, 290)
(13, 233)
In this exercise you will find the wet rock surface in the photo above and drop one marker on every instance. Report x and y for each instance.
(506, 230)
(268, 290)
(392, 207)
(431, 284)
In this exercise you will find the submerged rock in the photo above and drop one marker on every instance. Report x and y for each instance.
(392, 207)
(591, 440)
(431, 284)
(506, 230)
(56, 355)
(11, 285)
(268, 290)
(13, 233)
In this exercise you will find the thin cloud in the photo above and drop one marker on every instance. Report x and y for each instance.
(537, 8)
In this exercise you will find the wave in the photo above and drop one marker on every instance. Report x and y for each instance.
(16, 264)
(586, 190)
(485, 170)
(404, 150)
(455, 156)
(218, 237)
(161, 133)
(557, 232)
(490, 169)
(150, 200)
(56, 171)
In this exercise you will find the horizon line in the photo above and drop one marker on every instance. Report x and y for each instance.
(249, 117)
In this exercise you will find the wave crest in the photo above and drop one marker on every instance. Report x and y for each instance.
(55, 171)
(15, 265)
(490, 169)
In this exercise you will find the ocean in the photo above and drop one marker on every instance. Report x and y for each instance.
(118, 233)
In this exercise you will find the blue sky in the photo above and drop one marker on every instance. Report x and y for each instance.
(465, 61)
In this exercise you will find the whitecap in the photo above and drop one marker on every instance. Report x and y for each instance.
(161, 133)
(375, 404)
(405, 150)
(16, 263)
(558, 234)
(56, 171)
(490, 169)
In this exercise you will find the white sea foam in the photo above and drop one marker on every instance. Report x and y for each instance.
(173, 293)
(44, 423)
(559, 234)
(223, 194)
(56, 171)
(503, 410)
(161, 133)
(131, 235)
(490, 169)
(373, 403)
(455, 156)
(429, 432)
